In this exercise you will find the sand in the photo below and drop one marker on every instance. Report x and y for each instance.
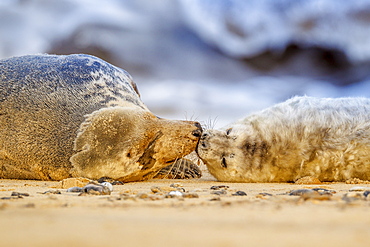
(124, 219)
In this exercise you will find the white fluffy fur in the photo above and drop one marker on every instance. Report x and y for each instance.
(320, 137)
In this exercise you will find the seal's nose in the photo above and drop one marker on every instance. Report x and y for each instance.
(197, 132)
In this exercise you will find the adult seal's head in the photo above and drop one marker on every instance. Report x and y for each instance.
(78, 115)
(328, 139)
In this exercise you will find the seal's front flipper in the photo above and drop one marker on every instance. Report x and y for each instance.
(180, 169)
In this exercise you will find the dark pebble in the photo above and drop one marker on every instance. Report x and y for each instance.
(239, 193)
(109, 180)
(264, 194)
(219, 192)
(323, 191)
(19, 194)
(74, 189)
(218, 187)
(301, 192)
(366, 193)
(56, 192)
(96, 189)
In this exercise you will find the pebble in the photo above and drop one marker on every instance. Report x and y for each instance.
(108, 185)
(239, 193)
(219, 192)
(366, 193)
(301, 192)
(142, 195)
(218, 187)
(163, 189)
(74, 189)
(19, 194)
(190, 195)
(51, 192)
(15, 195)
(110, 180)
(265, 194)
(175, 194)
(96, 189)
(176, 185)
(359, 188)
(104, 188)
(313, 194)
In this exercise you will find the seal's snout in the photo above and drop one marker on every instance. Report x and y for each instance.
(198, 132)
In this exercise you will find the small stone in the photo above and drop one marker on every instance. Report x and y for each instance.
(74, 189)
(96, 189)
(215, 199)
(219, 192)
(109, 180)
(356, 181)
(51, 192)
(175, 194)
(239, 193)
(359, 188)
(324, 191)
(265, 194)
(108, 185)
(176, 185)
(142, 195)
(155, 189)
(190, 195)
(366, 193)
(300, 192)
(218, 187)
(19, 194)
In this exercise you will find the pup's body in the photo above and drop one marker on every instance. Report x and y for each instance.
(324, 138)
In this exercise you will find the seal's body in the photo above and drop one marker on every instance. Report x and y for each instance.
(78, 115)
(324, 138)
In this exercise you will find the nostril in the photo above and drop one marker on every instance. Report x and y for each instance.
(204, 136)
(198, 126)
(197, 133)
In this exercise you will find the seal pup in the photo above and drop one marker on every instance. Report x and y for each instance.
(79, 116)
(319, 137)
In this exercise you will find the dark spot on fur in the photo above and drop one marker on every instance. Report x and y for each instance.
(223, 162)
(147, 158)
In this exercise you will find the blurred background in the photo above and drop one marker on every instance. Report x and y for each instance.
(208, 60)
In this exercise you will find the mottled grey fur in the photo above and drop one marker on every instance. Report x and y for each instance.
(51, 105)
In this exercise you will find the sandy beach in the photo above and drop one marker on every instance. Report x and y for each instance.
(137, 214)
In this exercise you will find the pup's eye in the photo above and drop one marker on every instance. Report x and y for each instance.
(223, 162)
(228, 131)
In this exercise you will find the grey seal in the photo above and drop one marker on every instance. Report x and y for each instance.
(78, 116)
